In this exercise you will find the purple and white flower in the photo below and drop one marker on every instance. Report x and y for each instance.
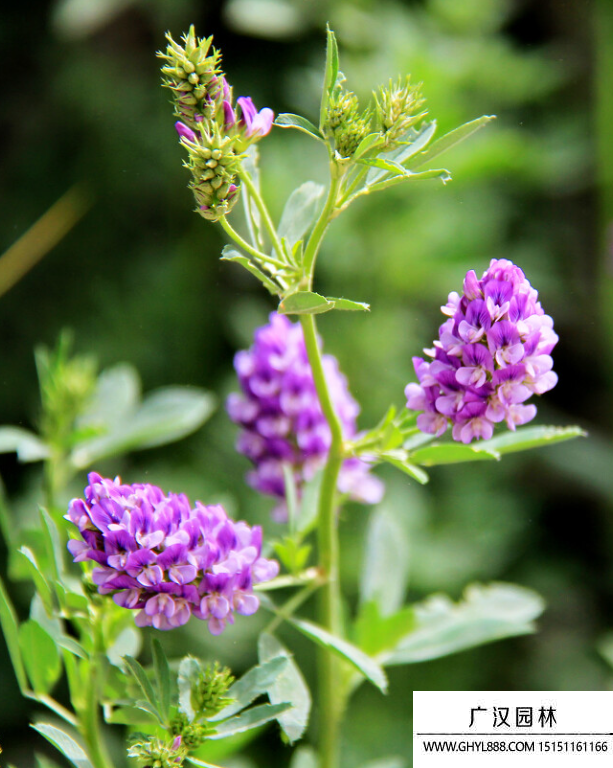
(157, 554)
(281, 418)
(492, 354)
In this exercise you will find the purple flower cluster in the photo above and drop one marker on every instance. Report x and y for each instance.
(282, 419)
(155, 553)
(493, 353)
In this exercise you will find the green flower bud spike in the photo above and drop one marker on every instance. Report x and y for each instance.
(398, 108)
(194, 76)
(345, 124)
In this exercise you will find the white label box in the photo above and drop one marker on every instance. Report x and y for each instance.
(513, 729)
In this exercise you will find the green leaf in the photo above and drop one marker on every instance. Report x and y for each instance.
(304, 303)
(399, 459)
(486, 613)
(115, 398)
(40, 582)
(330, 75)
(307, 303)
(531, 437)
(368, 143)
(126, 643)
(453, 453)
(346, 304)
(145, 685)
(162, 676)
(190, 672)
(165, 416)
(304, 757)
(53, 626)
(287, 120)
(230, 254)
(53, 545)
(389, 166)
(309, 504)
(385, 569)
(289, 686)
(451, 139)
(300, 212)
(442, 174)
(65, 743)
(413, 143)
(251, 718)
(346, 650)
(26, 445)
(130, 716)
(40, 656)
(10, 630)
(252, 684)
(375, 633)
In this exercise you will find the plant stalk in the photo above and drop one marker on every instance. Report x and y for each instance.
(330, 695)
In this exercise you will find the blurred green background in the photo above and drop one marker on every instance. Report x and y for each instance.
(138, 279)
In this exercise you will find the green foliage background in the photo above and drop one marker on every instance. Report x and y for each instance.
(139, 280)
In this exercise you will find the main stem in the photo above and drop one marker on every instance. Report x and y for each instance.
(89, 716)
(330, 701)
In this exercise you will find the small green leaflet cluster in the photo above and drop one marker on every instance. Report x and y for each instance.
(86, 418)
(368, 151)
(397, 441)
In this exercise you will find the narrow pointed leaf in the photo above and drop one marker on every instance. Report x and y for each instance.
(10, 630)
(453, 453)
(252, 684)
(346, 650)
(415, 142)
(531, 437)
(26, 445)
(288, 686)
(486, 613)
(442, 174)
(368, 143)
(40, 582)
(287, 120)
(229, 254)
(251, 718)
(40, 656)
(145, 684)
(65, 743)
(330, 75)
(400, 460)
(304, 303)
(189, 673)
(451, 139)
(347, 304)
(385, 569)
(162, 676)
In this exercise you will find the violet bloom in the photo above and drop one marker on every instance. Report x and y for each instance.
(492, 354)
(157, 554)
(255, 124)
(281, 418)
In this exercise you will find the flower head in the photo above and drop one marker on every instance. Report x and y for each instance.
(157, 554)
(281, 418)
(492, 354)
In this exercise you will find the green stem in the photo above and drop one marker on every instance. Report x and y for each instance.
(312, 248)
(287, 610)
(261, 206)
(263, 258)
(89, 716)
(330, 694)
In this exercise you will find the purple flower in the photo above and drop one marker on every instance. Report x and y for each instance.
(493, 353)
(254, 123)
(281, 418)
(157, 554)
